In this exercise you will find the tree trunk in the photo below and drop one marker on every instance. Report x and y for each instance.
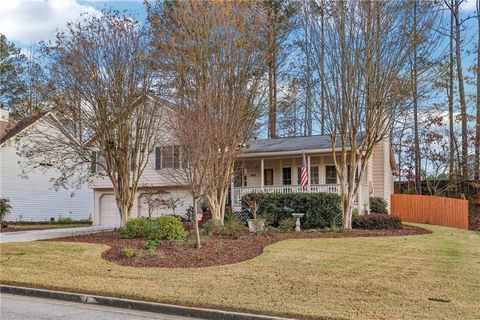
(322, 69)
(347, 206)
(450, 99)
(124, 213)
(477, 130)
(272, 78)
(308, 78)
(195, 222)
(463, 104)
(417, 158)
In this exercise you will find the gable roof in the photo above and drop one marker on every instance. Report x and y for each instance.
(292, 144)
(20, 126)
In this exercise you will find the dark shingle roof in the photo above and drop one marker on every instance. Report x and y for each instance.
(19, 127)
(290, 144)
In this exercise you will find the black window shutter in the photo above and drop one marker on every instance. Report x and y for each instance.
(158, 156)
(94, 162)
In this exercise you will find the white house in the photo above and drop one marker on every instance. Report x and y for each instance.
(265, 165)
(31, 192)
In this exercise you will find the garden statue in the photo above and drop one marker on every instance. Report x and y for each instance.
(297, 224)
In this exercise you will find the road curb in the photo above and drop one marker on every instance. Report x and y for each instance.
(169, 309)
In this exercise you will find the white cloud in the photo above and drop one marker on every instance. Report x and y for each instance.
(29, 21)
(468, 5)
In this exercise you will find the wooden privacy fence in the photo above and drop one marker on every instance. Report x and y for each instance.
(429, 209)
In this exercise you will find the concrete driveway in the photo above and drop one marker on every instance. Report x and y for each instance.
(32, 235)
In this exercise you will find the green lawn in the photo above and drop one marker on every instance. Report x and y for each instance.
(30, 226)
(352, 278)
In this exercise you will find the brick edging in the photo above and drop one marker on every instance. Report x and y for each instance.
(169, 309)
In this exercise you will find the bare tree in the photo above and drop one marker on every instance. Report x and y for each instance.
(414, 73)
(214, 52)
(101, 70)
(454, 8)
(477, 130)
(277, 29)
(366, 50)
(196, 157)
(317, 42)
(450, 93)
(36, 91)
(424, 42)
(153, 199)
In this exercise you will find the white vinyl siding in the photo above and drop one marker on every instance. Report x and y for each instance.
(382, 175)
(31, 192)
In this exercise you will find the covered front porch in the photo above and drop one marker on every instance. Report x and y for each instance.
(281, 174)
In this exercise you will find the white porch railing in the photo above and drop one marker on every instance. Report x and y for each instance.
(239, 192)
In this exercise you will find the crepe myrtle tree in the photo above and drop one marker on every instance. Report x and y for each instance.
(102, 72)
(214, 54)
(367, 45)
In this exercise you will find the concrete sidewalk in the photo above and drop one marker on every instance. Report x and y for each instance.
(25, 236)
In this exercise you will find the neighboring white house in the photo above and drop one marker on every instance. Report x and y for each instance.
(31, 192)
(266, 165)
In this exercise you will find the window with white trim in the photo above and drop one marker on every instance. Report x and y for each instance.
(330, 175)
(168, 157)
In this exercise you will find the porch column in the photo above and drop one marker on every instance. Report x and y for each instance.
(261, 173)
(231, 192)
(308, 174)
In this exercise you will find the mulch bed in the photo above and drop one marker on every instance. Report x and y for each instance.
(216, 250)
(7, 229)
(474, 217)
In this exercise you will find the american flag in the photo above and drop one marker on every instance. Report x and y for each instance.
(304, 172)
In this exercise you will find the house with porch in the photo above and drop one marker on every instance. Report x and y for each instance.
(264, 165)
(274, 166)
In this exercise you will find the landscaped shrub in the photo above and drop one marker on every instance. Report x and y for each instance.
(127, 252)
(163, 228)
(378, 205)
(321, 209)
(376, 221)
(4, 209)
(137, 228)
(152, 245)
(232, 228)
(167, 228)
(66, 220)
(287, 224)
(355, 213)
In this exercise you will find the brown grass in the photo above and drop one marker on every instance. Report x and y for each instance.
(353, 278)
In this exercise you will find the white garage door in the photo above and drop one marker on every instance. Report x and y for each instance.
(109, 215)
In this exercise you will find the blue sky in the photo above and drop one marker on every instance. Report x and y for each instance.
(26, 22)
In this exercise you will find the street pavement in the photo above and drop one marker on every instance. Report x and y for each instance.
(13, 307)
(32, 235)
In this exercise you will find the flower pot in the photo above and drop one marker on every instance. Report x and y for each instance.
(256, 225)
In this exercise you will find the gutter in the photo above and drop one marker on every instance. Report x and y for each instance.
(289, 153)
